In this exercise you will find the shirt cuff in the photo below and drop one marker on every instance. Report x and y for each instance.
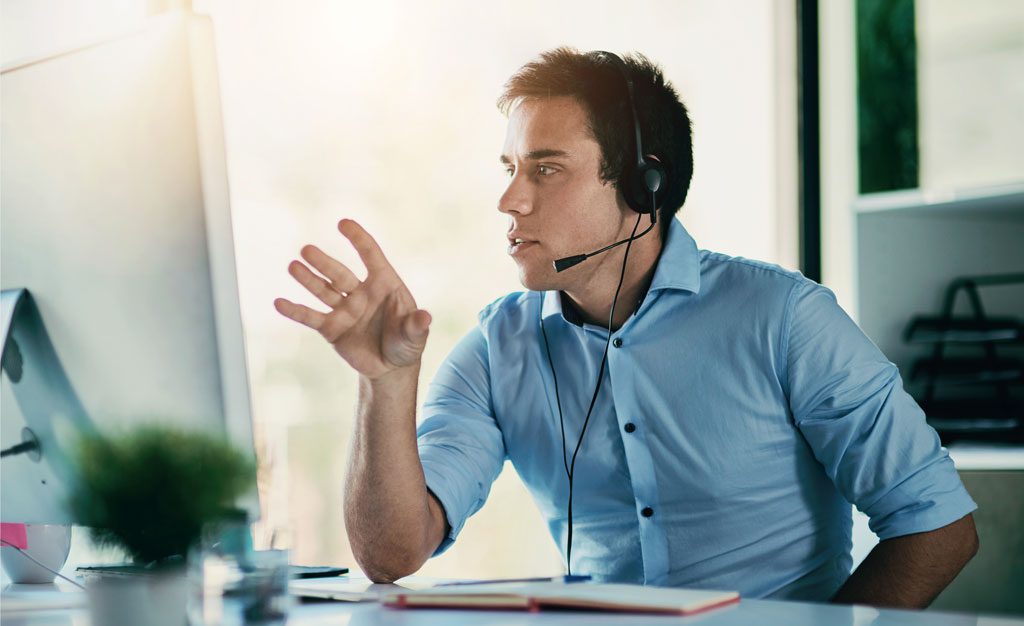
(927, 500)
(441, 488)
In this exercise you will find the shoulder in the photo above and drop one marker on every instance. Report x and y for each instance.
(753, 282)
(741, 270)
(512, 313)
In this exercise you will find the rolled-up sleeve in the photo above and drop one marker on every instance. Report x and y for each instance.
(460, 444)
(870, 435)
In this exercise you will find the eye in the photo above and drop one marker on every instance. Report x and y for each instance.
(509, 171)
(545, 170)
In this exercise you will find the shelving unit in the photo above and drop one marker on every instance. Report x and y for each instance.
(910, 247)
(890, 256)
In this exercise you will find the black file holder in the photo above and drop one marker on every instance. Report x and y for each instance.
(979, 398)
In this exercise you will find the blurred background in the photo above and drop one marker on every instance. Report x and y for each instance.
(386, 114)
(875, 145)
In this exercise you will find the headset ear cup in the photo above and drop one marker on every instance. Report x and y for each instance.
(647, 179)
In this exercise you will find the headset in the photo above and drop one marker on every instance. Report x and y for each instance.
(642, 183)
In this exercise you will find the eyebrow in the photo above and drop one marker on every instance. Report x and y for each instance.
(536, 155)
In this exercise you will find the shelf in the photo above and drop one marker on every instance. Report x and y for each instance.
(986, 456)
(999, 199)
(932, 330)
(973, 408)
(967, 371)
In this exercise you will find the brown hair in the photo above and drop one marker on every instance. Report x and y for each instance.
(601, 90)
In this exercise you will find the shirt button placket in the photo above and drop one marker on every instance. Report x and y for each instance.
(652, 538)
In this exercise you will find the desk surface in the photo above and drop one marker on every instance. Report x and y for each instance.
(746, 613)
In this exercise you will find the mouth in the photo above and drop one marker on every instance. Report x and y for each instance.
(517, 245)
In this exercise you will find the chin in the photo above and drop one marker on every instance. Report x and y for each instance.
(537, 279)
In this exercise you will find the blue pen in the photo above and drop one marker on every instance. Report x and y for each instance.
(574, 578)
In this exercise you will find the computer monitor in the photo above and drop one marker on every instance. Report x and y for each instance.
(114, 214)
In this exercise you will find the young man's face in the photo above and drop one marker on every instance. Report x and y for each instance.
(555, 198)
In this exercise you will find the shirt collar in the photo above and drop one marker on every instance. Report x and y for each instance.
(678, 268)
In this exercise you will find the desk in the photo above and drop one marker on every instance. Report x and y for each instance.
(746, 613)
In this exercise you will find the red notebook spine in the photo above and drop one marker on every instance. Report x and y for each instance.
(715, 605)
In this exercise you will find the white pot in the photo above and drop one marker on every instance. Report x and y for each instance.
(142, 600)
(47, 543)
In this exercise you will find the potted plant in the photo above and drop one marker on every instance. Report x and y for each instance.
(150, 492)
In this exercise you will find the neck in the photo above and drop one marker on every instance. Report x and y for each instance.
(593, 300)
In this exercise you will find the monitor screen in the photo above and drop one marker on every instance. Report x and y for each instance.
(115, 217)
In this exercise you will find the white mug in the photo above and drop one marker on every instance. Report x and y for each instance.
(47, 543)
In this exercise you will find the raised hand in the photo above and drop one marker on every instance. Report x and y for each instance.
(374, 324)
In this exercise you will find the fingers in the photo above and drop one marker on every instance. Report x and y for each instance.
(371, 254)
(300, 313)
(416, 326)
(331, 325)
(316, 285)
(342, 277)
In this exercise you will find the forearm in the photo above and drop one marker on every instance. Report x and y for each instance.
(387, 506)
(910, 571)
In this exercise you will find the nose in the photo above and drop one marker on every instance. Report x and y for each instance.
(517, 198)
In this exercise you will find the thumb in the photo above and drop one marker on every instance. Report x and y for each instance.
(416, 326)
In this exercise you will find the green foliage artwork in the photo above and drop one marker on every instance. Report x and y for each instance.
(887, 95)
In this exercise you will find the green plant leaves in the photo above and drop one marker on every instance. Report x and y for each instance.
(151, 490)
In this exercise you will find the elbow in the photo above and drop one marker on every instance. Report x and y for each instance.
(964, 545)
(969, 538)
(385, 558)
(386, 552)
(973, 544)
(386, 568)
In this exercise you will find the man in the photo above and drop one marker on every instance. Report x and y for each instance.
(740, 411)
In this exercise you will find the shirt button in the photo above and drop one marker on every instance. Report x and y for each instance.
(617, 342)
(647, 512)
(630, 427)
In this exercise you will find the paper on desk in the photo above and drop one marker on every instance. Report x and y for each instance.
(357, 588)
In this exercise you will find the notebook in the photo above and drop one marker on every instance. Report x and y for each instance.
(584, 596)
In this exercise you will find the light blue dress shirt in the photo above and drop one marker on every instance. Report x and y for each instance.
(759, 412)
